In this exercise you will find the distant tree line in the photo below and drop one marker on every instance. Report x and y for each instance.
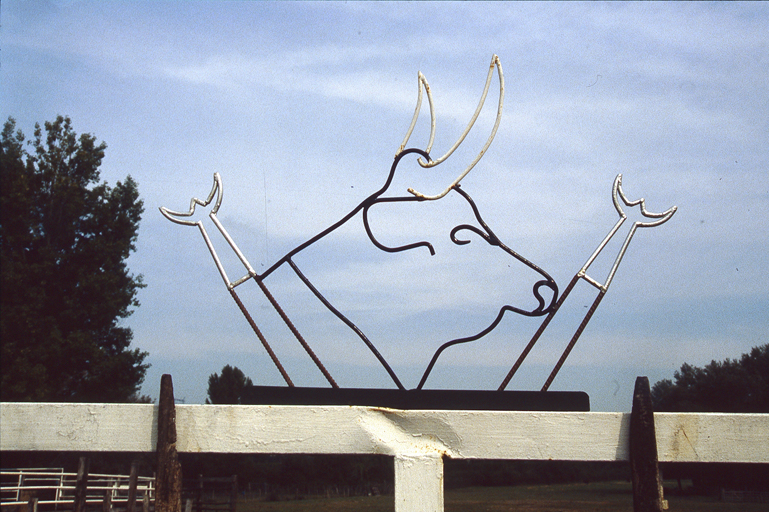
(732, 385)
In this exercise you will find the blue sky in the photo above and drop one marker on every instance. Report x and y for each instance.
(301, 106)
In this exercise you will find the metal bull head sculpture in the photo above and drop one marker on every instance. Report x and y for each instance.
(546, 300)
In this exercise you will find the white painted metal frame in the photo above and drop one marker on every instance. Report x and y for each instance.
(418, 440)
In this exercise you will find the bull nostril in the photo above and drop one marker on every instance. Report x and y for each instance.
(542, 309)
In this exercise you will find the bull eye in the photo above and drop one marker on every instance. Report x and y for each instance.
(455, 239)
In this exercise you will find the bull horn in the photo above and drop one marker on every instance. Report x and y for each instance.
(494, 63)
(421, 82)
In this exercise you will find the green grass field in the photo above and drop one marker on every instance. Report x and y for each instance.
(594, 497)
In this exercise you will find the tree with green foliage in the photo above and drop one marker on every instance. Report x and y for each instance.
(64, 238)
(740, 385)
(227, 388)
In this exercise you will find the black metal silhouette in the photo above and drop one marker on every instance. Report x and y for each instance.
(546, 308)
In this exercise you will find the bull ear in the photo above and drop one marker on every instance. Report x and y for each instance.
(494, 63)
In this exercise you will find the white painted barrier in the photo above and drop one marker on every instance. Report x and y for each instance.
(418, 440)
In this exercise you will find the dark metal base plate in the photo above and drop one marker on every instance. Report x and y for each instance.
(431, 399)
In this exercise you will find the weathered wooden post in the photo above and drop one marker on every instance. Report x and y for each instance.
(199, 495)
(132, 481)
(169, 477)
(81, 484)
(644, 466)
(234, 494)
(106, 504)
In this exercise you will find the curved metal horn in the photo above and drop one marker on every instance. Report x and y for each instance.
(618, 193)
(421, 82)
(494, 63)
(216, 189)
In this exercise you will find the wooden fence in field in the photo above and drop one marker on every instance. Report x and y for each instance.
(418, 440)
(53, 489)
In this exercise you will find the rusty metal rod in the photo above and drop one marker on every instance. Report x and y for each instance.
(537, 334)
(347, 322)
(296, 333)
(261, 337)
(574, 339)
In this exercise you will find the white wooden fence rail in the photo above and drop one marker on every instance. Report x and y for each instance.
(418, 440)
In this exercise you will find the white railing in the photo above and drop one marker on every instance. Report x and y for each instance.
(58, 487)
(418, 440)
(14, 481)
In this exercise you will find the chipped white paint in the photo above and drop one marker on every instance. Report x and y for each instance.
(78, 427)
(416, 439)
(363, 430)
